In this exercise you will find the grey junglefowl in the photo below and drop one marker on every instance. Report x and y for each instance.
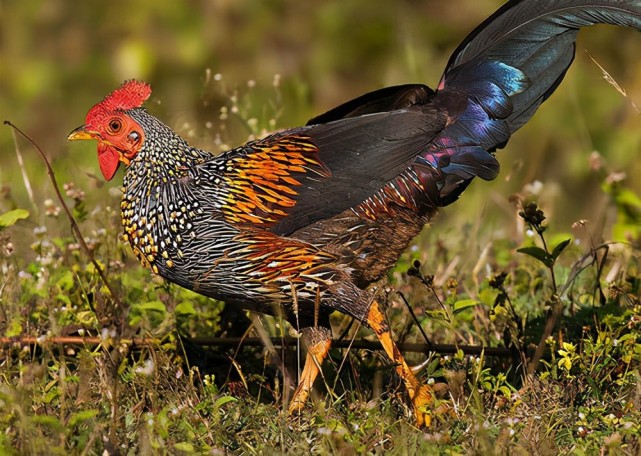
(301, 222)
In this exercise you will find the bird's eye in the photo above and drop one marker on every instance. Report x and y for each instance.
(134, 136)
(115, 125)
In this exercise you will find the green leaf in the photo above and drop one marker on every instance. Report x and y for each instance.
(64, 299)
(91, 268)
(224, 400)
(66, 281)
(628, 198)
(463, 304)
(625, 337)
(539, 254)
(437, 314)
(83, 415)
(11, 217)
(560, 247)
(86, 318)
(154, 306)
(52, 394)
(185, 447)
(14, 329)
(506, 391)
(46, 420)
(185, 308)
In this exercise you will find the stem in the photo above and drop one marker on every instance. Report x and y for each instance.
(411, 311)
(23, 170)
(550, 268)
(557, 310)
(410, 347)
(553, 317)
(74, 225)
(520, 336)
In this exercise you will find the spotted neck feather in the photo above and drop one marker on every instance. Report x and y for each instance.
(164, 156)
(159, 206)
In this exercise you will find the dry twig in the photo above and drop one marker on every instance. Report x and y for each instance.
(412, 347)
(74, 225)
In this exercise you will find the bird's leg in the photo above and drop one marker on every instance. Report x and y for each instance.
(421, 395)
(317, 340)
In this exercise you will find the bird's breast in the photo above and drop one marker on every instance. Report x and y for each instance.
(158, 222)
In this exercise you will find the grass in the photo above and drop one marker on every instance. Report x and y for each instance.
(481, 275)
(567, 311)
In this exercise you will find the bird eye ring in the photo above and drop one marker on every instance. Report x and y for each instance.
(115, 125)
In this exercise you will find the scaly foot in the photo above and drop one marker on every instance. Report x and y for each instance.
(423, 402)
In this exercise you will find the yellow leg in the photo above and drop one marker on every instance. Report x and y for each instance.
(420, 395)
(317, 350)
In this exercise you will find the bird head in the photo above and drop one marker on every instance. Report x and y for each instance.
(119, 136)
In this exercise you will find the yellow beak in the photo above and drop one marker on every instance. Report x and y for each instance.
(80, 133)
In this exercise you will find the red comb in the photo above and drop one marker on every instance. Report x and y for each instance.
(131, 94)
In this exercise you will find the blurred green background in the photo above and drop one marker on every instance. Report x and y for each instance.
(59, 57)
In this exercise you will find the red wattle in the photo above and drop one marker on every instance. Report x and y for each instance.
(108, 158)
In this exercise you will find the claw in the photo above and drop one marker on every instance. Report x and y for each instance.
(298, 401)
(422, 402)
(317, 350)
(419, 367)
(422, 396)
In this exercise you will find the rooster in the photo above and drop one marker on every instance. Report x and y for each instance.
(299, 223)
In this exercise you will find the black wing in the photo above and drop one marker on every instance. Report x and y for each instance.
(294, 178)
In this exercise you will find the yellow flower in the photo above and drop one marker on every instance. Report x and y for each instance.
(567, 356)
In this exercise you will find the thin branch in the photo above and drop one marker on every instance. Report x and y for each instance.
(6, 342)
(418, 323)
(409, 347)
(74, 226)
(550, 323)
(610, 80)
(557, 306)
(23, 170)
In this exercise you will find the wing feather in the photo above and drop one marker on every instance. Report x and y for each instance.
(293, 178)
